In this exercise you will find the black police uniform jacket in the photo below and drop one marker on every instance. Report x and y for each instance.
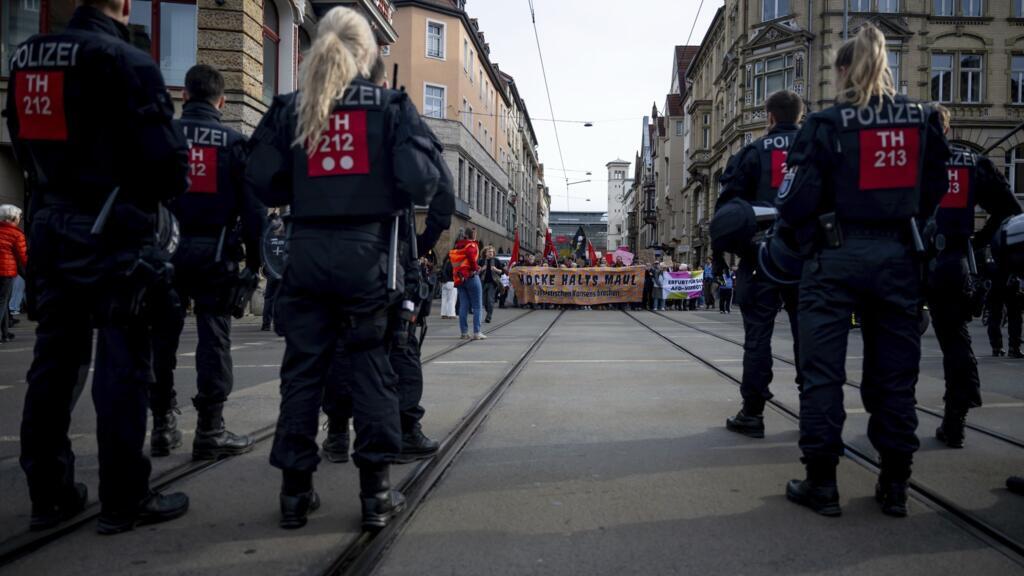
(216, 201)
(375, 160)
(879, 164)
(973, 181)
(88, 113)
(755, 173)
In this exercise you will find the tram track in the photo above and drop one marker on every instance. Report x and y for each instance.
(1013, 441)
(26, 543)
(987, 532)
(364, 554)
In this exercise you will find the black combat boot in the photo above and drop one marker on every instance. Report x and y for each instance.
(380, 502)
(337, 442)
(165, 436)
(416, 446)
(153, 509)
(997, 352)
(749, 421)
(298, 499)
(951, 431)
(891, 490)
(1015, 352)
(819, 491)
(69, 505)
(214, 441)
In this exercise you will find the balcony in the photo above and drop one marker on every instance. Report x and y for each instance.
(651, 216)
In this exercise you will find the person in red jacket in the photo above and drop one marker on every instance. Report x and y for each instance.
(470, 289)
(13, 258)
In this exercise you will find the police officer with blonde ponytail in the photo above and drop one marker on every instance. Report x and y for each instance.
(347, 156)
(865, 176)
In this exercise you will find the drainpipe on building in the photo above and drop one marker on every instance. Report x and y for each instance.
(846, 20)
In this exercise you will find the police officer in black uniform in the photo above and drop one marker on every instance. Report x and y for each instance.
(1004, 302)
(99, 162)
(864, 175)
(217, 216)
(348, 157)
(405, 348)
(973, 181)
(754, 175)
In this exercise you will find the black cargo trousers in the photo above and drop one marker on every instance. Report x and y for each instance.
(878, 277)
(334, 294)
(202, 281)
(404, 356)
(1003, 295)
(70, 296)
(759, 301)
(950, 310)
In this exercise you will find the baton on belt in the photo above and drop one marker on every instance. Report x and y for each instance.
(393, 254)
(104, 215)
(220, 245)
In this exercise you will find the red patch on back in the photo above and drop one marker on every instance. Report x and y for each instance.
(202, 169)
(959, 189)
(778, 167)
(342, 149)
(889, 158)
(39, 97)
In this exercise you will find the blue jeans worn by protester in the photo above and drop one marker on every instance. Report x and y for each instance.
(470, 294)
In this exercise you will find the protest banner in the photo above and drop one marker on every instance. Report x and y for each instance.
(578, 286)
(683, 285)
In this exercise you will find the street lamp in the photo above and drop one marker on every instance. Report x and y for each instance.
(568, 199)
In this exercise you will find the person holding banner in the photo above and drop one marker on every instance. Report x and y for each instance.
(754, 175)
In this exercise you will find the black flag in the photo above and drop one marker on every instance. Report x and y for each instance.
(579, 244)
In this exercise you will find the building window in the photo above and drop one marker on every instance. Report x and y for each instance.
(942, 77)
(970, 7)
(472, 65)
(860, 5)
(890, 6)
(1018, 8)
(465, 55)
(462, 178)
(970, 78)
(772, 75)
(943, 8)
(894, 66)
(1017, 80)
(271, 45)
(706, 137)
(18, 22)
(305, 42)
(773, 9)
(435, 39)
(153, 23)
(434, 101)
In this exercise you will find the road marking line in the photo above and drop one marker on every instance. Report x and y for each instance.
(666, 361)
(12, 350)
(470, 362)
(1004, 405)
(6, 387)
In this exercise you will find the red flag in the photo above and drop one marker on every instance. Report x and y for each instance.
(515, 252)
(610, 259)
(591, 254)
(550, 253)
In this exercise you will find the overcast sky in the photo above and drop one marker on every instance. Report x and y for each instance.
(607, 61)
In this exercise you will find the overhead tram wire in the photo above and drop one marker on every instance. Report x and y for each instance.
(551, 106)
(694, 26)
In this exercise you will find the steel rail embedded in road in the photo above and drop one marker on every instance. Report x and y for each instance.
(365, 553)
(26, 543)
(929, 497)
(854, 384)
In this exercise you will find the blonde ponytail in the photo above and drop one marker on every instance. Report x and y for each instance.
(344, 50)
(867, 68)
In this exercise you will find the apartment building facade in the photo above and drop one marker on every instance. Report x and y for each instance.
(476, 110)
(968, 54)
